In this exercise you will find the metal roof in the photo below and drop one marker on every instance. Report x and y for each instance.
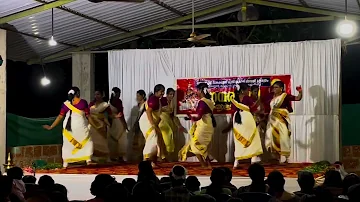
(95, 21)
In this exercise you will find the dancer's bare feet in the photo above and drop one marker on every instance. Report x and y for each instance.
(154, 165)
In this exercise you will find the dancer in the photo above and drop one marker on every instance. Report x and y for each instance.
(246, 136)
(117, 131)
(166, 124)
(278, 127)
(99, 113)
(202, 130)
(169, 123)
(77, 143)
(259, 111)
(138, 140)
(149, 124)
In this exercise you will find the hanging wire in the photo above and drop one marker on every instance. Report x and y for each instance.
(43, 68)
(193, 17)
(52, 22)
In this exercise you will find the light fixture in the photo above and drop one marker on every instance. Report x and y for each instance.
(45, 81)
(52, 41)
(346, 28)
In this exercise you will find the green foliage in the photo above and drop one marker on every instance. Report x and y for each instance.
(43, 165)
(319, 167)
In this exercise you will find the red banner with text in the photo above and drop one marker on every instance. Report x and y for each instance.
(222, 91)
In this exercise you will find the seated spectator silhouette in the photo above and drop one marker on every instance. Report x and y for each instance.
(99, 185)
(229, 176)
(192, 183)
(116, 192)
(129, 184)
(333, 183)
(354, 193)
(46, 182)
(202, 198)
(257, 175)
(144, 191)
(18, 188)
(29, 179)
(6, 187)
(276, 184)
(216, 188)
(306, 183)
(178, 191)
(56, 196)
(349, 180)
(61, 189)
(146, 173)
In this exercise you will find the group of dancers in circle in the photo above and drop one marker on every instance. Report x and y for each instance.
(97, 131)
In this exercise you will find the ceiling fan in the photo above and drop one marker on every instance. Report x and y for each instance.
(194, 38)
(130, 1)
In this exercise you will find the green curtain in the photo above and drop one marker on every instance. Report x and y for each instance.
(23, 131)
(350, 127)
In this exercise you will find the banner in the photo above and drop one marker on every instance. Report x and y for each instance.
(222, 91)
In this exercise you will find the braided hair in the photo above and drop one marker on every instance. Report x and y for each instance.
(73, 92)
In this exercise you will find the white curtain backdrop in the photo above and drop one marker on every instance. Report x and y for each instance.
(313, 64)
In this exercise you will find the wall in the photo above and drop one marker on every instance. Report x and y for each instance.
(24, 156)
(350, 129)
(3, 97)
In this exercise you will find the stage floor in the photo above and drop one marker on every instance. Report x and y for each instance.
(289, 170)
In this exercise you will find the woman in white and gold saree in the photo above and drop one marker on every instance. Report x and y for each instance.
(117, 132)
(138, 142)
(99, 113)
(278, 128)
(77, 143)
(149, 125)
(169, 124)
(246, 135)
(202, 131)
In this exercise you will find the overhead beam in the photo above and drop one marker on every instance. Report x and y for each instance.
(303, 2)
(168, 7)
(134, 33)
(69, 10)
(33, 11)
(35, 36)
(304, 9)
(252, 23)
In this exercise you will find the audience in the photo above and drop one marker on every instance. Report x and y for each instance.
(129, 184)
(306, 183)
(192, 183)
(18, 188)
(29, 179)
(99, 185)
(177, 187)
(216, 188)
(257, 175)
(178, 191)
(116, 192)
(276, 182)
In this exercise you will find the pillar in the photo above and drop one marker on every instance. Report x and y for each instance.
(83, 74)
(3, 99)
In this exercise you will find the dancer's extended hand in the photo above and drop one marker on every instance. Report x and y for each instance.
(299, 88)
(47, 127)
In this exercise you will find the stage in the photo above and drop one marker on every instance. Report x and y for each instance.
(78, 178)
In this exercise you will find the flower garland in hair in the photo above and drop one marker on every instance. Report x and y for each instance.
(71, 92)
(237, 87)
(205, 90)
